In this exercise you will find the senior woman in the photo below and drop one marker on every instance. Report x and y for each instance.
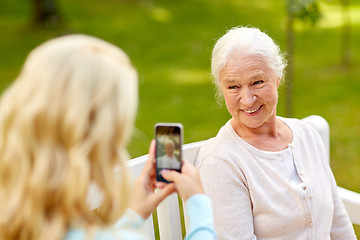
(268, 176)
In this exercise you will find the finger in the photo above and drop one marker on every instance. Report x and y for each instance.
(187, 164)
(171, 175)
(161, 194)
(161, 184)
(188, 168)
(152, 158)
(184, 163)
(149, 164)
(152, 149)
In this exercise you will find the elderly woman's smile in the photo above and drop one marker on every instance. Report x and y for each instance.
(251, 111)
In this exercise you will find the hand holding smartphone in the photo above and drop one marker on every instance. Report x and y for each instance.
(169, 137)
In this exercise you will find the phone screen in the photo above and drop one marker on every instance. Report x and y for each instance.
(168, 138)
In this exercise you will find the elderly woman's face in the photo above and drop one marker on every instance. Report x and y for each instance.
(249, 87)
(169, 148)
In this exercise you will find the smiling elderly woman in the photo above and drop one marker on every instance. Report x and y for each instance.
(268, 176)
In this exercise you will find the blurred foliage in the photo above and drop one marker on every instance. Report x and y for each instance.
(305, 10)
(46, 13)
(170, 44)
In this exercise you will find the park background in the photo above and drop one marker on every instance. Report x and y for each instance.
(170, 44)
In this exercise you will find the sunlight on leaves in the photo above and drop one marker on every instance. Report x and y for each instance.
(160, 14)
(190, 76)
(254, 3)
(333, 15)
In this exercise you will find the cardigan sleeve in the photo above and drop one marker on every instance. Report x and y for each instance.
(341, 227)
(232, 215)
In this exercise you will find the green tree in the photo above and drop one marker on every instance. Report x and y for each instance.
(346, 34)
(306, 11)
(46, 13)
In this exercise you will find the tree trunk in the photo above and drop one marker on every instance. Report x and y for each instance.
(289, 69)
(346, 34)
(46, 13)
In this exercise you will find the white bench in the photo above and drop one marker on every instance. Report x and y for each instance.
(169, 213)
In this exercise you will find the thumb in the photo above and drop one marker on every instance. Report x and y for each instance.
(161, 194)
(170, 175)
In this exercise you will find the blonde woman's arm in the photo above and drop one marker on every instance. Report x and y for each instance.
(145, 199)
(198, 205)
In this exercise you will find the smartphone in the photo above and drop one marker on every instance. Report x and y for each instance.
(169, 138)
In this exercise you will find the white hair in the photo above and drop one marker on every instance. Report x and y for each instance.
(248, 41)
(169, 141)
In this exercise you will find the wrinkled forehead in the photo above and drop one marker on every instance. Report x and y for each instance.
(246, 65)
(239, 56)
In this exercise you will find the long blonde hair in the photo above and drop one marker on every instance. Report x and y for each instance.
(65, 123)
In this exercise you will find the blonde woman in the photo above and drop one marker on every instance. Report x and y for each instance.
(64, 125)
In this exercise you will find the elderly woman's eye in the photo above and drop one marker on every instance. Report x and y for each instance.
(232, 87)
(258, 82)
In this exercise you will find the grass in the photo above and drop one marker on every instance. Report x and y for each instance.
(170, 43)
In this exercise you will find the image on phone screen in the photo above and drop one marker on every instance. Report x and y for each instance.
(168, 148)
